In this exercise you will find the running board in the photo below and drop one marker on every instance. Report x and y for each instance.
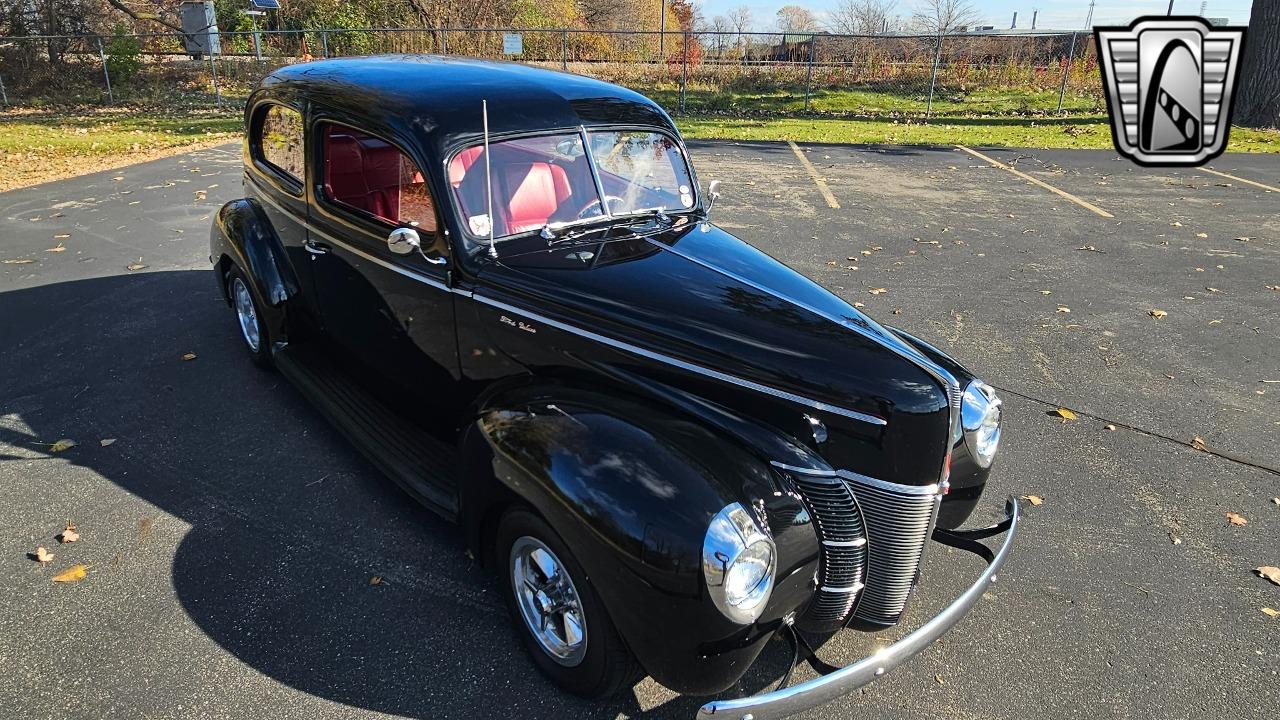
(419, 462)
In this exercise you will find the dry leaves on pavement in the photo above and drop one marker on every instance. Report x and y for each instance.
(375, 580)
(1270, 572)
(1237, 519)
(1271, 612)
(106, 441)
(1158, 313)
(189, 356)
(1197, 442)
(68, 534)
(1033, 499)
(1063, 413)
(42, 556)
(61, 445)
(75, 573)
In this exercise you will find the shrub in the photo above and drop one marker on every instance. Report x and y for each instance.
(123, 55)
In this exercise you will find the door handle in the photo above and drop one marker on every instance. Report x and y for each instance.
(315, 248)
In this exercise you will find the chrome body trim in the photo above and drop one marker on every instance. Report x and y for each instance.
(676, 362)
(806, 695)
(845, 543)
(835, 476)
(843, 590)
(619, 344)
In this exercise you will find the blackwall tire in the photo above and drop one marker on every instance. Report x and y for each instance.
(526, 547)
(249, 317)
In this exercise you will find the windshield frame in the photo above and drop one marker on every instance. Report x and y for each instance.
(471, 242)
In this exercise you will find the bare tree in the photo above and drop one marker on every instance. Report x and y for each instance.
(792, 18)
(860, 17)
(740, 20)
(1259, 86)
(720, 28)
(943, 17)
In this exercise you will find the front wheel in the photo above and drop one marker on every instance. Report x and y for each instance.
(257, 339)
(557, 613)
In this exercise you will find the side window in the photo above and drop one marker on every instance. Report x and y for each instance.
(280, 140)
(369, 174)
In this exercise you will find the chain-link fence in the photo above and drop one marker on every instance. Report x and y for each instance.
(749, 74)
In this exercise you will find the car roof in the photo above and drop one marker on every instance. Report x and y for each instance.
(438, 98)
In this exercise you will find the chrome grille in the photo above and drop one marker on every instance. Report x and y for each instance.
(872, 578)
(898, 518)
(844, 546)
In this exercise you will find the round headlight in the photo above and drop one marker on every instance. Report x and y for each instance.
(738, 561)
(980, 418)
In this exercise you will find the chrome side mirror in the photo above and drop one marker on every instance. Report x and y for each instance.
(403, 241)
(713, 192)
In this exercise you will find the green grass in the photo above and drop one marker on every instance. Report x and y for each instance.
(40, 146)
(880, 102)
(1083, 131)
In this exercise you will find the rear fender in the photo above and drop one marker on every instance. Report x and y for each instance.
(242, 235)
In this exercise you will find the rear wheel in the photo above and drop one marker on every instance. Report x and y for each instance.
(257, 339)
(557, 613)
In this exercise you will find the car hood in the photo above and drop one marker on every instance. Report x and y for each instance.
(698, 294)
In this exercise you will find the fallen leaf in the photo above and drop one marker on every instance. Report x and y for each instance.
(189, 356)
(1212, 289)
(1033, 499)
(1275, 500)
(1244, 238)
(61, 236)
(1064, 309)
(1236, 519)
(1110, 427)
(1271, 612)
(1175, 539)
(69, 535)
(61, 445)
(42, 556)
(1202, 235)
(134, 266)
(1270, 572)
(57, 248)
(1175, 223)
(75, 573)
(1197, 442)
(1158, 313)
(937, 679)
(106, 441)
(375, 580)
(1090, 248)
(1063, 413)
(878, 291)
(19, 261)
(1046, 292)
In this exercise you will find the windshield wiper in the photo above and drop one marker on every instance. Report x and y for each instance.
(550, 231)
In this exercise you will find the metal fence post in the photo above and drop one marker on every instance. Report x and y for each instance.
(684, 71)
(213, 70)
(933, 77)
(564, 50)
(3, 95)
(106, 74)
(444, 42)
(324, 42)
(1066, 71)
(808, 73)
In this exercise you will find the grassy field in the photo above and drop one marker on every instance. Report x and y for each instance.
(878, 102)
(38, 147)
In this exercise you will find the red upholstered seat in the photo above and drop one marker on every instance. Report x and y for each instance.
(461, 163)
(382, 175)
(535, 192)
(344, 171)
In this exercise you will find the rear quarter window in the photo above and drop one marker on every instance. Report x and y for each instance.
(279, 141)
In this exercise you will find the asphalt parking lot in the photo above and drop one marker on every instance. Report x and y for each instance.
(231, 535)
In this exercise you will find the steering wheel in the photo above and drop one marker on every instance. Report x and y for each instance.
(587, 209)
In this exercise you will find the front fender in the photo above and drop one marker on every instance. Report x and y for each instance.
(631, 487)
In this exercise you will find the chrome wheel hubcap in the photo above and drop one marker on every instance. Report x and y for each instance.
(548, 601)
(245, 312)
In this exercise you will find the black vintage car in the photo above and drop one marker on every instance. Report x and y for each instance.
(502, 285)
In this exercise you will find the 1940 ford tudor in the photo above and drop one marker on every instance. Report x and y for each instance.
(501, 284)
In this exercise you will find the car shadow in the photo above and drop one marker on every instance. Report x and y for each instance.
(289, 526)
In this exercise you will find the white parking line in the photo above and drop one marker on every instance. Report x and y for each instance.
(1061, 193)
(1268, 188)
(817, 179)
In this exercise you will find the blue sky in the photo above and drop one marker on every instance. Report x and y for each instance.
(1054, 14)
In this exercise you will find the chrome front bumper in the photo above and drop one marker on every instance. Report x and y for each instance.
(788, 701)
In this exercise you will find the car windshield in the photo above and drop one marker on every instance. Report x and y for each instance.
(547, 179)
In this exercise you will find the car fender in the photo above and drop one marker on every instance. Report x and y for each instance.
(631, 486)
(242, 235)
